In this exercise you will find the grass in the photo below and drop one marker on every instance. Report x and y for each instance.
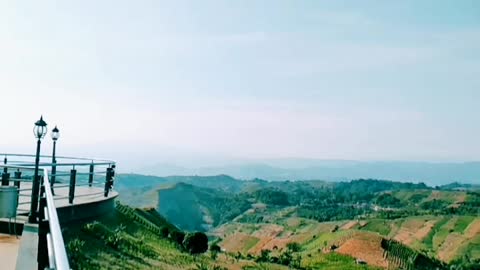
(462, 223)
(332, 261)
(448, 196)
(250, 243)
(428, 241)
(138, 246)
(443, 232)
(380, 226)
(470, 249)
(412, 196)
(321, 239)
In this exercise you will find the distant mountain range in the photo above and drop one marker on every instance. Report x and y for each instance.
(333, 170)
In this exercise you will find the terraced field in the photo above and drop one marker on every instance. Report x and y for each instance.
(444, 237)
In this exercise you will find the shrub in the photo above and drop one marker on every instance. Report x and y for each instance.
(75, 252)
(215, 248)
(177, 237)
(294, 247)
(164, 232)
(196, 243)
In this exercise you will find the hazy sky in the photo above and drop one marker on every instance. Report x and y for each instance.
(252, 79)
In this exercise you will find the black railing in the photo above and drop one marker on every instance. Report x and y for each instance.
(95, 175)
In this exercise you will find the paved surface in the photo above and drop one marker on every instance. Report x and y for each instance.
(28, 249)
(9, 245)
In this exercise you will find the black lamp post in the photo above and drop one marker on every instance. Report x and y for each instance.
(39, 130)
(55, 135)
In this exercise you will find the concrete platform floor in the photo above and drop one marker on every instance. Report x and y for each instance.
(9, 245)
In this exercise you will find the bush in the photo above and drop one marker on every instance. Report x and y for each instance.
(164, 232)
(177, 237)
(196, 243)
(264, 256)
(75, 252)
(294, 247)
(215, 248)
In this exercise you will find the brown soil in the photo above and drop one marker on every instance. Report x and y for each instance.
(449, 247)
(367, 249)
(407, 233)
(280, 243)
(473, 229)
(236, 242)
(425, 230)
(266, 234)
(349, 225)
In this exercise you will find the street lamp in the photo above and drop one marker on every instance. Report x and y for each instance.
(55, 135)
(39, 130)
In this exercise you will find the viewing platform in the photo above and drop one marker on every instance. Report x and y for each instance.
(70, 190)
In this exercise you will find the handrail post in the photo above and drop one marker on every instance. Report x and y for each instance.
(18, 175)
(54, 172)
(42, 249)
(90, 176)
(5, 178)
(71, 193)
(42, 205)
(43, 230)
(5, 174)
(108, 181)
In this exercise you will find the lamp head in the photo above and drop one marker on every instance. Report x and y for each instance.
(40, 128)
(55, 133)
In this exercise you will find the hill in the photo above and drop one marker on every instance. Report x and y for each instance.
(437, 225)
(432, 173)
(142, 239)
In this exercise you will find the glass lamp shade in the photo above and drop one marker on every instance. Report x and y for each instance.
(55, 134)
(40, 128)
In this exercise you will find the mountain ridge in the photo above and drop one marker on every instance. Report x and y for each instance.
(432, 173)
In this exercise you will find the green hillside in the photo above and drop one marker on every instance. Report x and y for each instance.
(132, 238)
(247, 218)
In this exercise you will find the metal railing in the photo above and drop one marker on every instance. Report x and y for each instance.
(57, 255)
(66, 173)
(71, 173)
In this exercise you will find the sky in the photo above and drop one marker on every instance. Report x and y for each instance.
(356, 80)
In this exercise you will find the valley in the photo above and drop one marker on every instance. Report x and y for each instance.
(360, 219)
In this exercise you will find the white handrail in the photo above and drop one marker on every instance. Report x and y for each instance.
(59, 252)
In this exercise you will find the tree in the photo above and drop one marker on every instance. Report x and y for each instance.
(264, 256)
(294, 247)
(286, 258)
(196, 243)
(177, 237)
(164, 231)
(214, 250)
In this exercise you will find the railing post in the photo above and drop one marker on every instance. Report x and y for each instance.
(43, 204)
(90, 176)
(42, 188)
(108, 181)
(71, 193)
(53, 175)
(5, 178)
(18, 175)
(5, 174)
(43, 230)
